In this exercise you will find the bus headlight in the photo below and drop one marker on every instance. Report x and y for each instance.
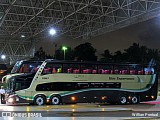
(152, 97)
(10, 100)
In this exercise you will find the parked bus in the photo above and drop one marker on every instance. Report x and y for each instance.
(58, 82)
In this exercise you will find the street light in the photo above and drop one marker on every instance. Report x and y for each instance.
(3, 57)
(64, 48)
(22, 36)
(52, 32)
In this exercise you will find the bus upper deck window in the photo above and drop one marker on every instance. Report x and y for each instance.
(76, 71)
(140, 72)
(149, 71)
(124, 71)
(132, 72)
(94, 71)
(53, 70)
(59, 70)
(69, 70)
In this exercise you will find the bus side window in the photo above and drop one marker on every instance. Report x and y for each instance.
(132, 72)
(25, 69)
(69, 70)
(116, 71)
(140, 72)
(34, 70)
(21, 70)
(94, 71)
(59, 70)
(76, 71)
(47, 71)
(53, 70)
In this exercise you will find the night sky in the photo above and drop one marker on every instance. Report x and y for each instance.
(145, 33)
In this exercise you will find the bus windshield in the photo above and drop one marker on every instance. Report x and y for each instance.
(25, 67)
(16, 67)
(15, 85)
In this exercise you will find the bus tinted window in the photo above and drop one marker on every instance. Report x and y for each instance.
(26, 67)
(105, 69)
(76, 68)
(84, 68)
(51, 68)
(121, 69)
(88, 68)
(71, 68)
(69, 86)
(136, 69)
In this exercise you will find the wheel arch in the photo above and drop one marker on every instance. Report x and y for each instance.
(51, 95)
(40, 94)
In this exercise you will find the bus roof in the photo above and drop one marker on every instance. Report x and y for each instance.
(96, 63)
(33, 60)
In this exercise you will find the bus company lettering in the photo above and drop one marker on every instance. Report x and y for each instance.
(120, 78)
(45, 77)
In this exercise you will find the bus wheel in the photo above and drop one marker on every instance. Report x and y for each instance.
(39, 100)
(55, 100)
(122, 100)
(135, 100)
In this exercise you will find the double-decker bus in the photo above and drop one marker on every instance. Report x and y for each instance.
(58, 82)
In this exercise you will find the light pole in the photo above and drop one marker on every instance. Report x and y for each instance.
(52, 32)
(64, 48)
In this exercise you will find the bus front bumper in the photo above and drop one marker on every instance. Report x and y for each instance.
(15, 99)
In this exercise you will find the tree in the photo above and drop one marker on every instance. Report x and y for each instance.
(85, 52)
(133, 54)
(41, 54)
(106, 56)
(118, 57)
(141, 54)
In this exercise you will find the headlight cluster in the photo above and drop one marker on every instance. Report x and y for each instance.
(10, 100)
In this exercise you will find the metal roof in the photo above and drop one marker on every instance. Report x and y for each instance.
(76, 19)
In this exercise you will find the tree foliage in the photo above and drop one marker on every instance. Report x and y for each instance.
(41, 54)
(107, 57)
(133, 54)
(85, 52)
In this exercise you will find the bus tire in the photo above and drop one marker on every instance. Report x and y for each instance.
(122, 100)
(39, 100)
(55, 100)
(135, 100)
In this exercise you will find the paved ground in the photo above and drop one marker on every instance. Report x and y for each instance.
(82, 111)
